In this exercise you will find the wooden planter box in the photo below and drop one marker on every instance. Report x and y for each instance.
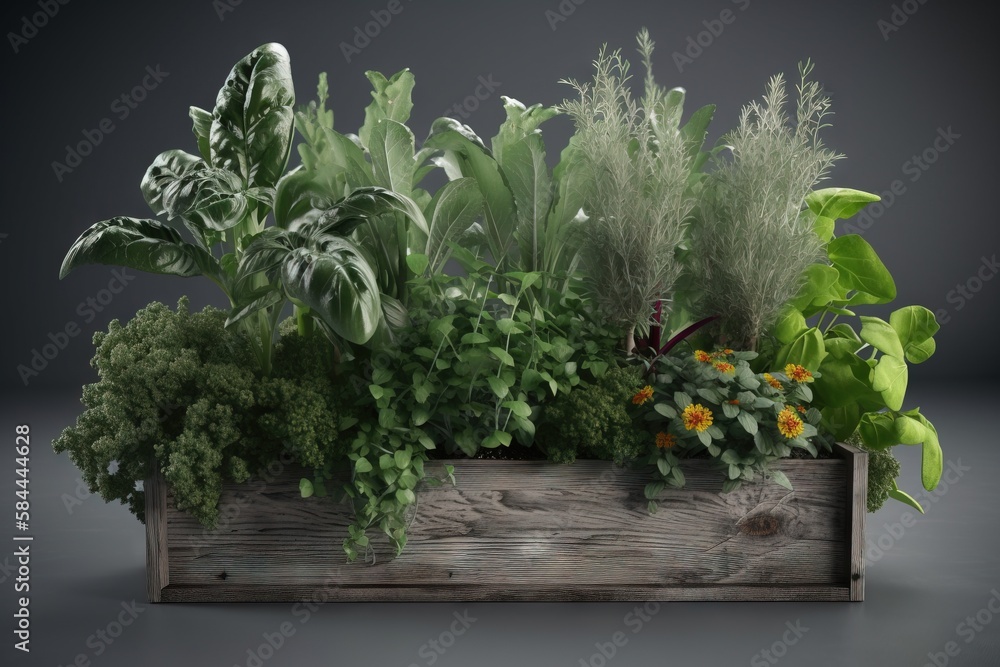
(528, 530)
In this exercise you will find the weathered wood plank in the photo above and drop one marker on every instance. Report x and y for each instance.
(534, 530)
(305, 593)
(858, 462)
(157, 570)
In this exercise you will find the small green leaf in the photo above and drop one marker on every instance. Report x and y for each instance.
(780, 478)
(890, 379)
(417, 263)
(499, 387)
(362, 465)
(898, 494)
(502, 355)
(748, 422)
(401, 458)
(519, 408)
(475, 338)
(305, 488)
(860, 267)
(881, 335)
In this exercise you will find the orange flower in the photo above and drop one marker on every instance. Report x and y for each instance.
(773, 381)
(697, 417)
(735, 401)
(643, 395)
(725, 367)
(702, 355)
(789, 423)
(665, 440)
(798, 373)
(801, 408)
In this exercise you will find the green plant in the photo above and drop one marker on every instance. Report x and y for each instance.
(751, 244)
(222, 197)
(642, 164)
(594, 420)
(180, 392)
(883, 469)
(470, 372)
(714, 403)
(865, 370)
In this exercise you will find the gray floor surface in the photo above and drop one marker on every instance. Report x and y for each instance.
(933, 587)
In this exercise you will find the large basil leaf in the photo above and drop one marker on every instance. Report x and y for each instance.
(202, 128)
(335, 280)
(144, 245)
(179, 184)
(253, 121)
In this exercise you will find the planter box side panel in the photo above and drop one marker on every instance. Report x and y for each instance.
(533, 530)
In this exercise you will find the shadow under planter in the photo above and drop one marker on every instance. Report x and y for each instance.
(530, 530)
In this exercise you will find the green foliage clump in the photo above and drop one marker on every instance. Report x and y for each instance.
(174, 386)
(883, 469)
(300, 405)
(714, 404)
(183, 391)
(752, 244)
(594, 421)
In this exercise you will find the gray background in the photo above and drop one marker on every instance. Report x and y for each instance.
(891, 97)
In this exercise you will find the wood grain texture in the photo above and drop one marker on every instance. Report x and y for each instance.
(157, 571)
(858, 462)
(531, 530)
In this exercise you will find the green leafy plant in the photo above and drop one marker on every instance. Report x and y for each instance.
(594, 421)
(865, 369)
(751, 244)
(713, 403)
(529, 212)
(471, 372)
(221, 197)
(642, 164)
(883, 469)
(180, 392)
